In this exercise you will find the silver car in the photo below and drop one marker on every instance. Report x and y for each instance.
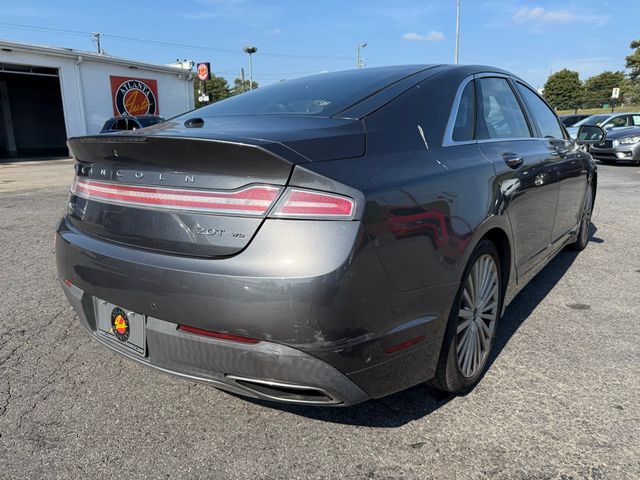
(608, 121)
(620, 145)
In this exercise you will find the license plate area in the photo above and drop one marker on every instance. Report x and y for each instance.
(121, 326)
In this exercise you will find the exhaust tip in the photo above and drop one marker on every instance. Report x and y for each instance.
(285, 392)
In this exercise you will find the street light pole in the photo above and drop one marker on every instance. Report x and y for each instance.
(358, 59)
(457, 30)
(250, 51)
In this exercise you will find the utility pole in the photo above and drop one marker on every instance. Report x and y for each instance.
(244, 86)
(96, 38)
(457, 30)
(359, 61)
(250, 51)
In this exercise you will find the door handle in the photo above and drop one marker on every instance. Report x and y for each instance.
(513, 160)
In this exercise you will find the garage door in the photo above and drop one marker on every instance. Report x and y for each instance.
(31, 115)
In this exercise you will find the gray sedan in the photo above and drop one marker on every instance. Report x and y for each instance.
(620, 145)
(328, 239)
(608, 121)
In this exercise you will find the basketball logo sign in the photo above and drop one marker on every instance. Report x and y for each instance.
(134, 96)
(204, 71)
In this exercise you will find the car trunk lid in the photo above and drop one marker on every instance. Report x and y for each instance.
(168, 190)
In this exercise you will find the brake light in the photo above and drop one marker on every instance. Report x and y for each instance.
(255, 200)
(218, 335)
(296, 203)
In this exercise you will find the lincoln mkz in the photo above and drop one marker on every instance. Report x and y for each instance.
(329, 239)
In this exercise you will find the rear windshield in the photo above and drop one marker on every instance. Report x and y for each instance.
(148, 121)
(322, 95)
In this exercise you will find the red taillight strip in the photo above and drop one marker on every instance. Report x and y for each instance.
(249, 201)
(309, 204)
(218, 335)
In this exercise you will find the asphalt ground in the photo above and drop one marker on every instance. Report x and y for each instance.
(560, 401)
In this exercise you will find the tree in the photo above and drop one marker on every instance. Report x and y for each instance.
(240, 86)
(630, 92)
(563, 90)
(597, 89)
(633, 61)
(217, 88)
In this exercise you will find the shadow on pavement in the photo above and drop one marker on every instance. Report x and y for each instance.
(416, 402)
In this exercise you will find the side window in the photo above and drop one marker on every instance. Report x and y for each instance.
(131, 124)
(620, 121)
(499, 113)
(543, 116)
(463, 130)
(120, 124)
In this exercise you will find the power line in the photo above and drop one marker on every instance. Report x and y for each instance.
(160, 42)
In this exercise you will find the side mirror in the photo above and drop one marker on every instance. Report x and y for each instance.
(608, 126)
(590, 135)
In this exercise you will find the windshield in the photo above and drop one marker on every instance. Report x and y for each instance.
(322, 95)
(593, 120)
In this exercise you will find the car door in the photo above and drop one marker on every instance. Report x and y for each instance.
(569, 162)
(523, 165)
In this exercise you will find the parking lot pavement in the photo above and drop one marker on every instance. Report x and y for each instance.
(32, 175)
(559, 401)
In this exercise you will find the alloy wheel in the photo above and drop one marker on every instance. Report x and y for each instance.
(477, 315)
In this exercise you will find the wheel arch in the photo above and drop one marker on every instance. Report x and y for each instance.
(496, 229)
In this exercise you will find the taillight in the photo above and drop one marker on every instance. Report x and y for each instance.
(253, 200)
(297, 203)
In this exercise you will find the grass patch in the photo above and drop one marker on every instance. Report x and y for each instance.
(595, 111)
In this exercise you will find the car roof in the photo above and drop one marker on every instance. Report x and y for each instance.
(615, 114)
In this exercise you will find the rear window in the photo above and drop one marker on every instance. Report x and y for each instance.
(148, 121)
(321, 95)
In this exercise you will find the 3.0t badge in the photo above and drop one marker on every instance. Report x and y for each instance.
(120, 324)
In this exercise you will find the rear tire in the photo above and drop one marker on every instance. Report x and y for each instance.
(585, 222)
(471, 328)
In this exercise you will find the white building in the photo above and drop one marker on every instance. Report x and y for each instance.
(49, 94)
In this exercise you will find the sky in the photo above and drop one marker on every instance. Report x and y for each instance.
(297, 38)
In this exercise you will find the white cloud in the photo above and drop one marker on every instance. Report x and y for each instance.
(432, 36)
(539, 15)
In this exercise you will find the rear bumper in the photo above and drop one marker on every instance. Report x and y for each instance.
(323, 320)
(234, 367)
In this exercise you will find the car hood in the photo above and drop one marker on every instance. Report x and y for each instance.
(623, 132)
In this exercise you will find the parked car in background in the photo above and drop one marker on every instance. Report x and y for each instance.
(130, 123)
(571, 120)
(328, 239)
(608, 121)
(621, 145)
